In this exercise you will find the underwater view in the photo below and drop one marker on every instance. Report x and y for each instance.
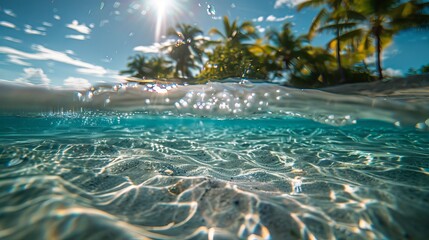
(232, 119)
(213, 161)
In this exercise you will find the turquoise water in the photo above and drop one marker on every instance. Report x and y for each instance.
(301, 165)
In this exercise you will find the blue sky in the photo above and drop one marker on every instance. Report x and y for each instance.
(82, 42)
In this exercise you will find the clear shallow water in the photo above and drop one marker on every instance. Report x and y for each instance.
(95, 169)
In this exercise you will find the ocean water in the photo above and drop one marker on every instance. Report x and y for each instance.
(214, 161)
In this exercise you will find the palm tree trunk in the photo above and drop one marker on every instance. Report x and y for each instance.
(338, 51)
(379, 49)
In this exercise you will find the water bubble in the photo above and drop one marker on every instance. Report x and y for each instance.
(79, 95)
(211, 11)
(420, 126)
(101, 5)
(179, 43)
(116, 4)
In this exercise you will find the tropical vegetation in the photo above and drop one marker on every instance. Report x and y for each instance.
(361, 30)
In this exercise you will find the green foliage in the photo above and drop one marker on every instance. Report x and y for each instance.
(234, 34)
(141, 67)
(360, 28)
(230, 62)
(422, 70)
(386, 18)
(186, 52)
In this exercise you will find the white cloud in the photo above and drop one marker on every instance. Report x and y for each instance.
(82, 28)
(34, 32)
(9, 12)
(392, 72)
(47, 24)
(147, 49)
(17, 60)
(57, 17)
(272, 18)
(76, 83)
(260, 29)
(97, 71)
(46, 54)
(157, 47)
(34, 76)
(289, 3)
(7, 24)
(41, 28)
(11, 39)
(259, 19)
(77, 37)
(29, 30)
(389, 52)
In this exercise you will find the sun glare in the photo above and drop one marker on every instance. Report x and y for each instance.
(161, 7)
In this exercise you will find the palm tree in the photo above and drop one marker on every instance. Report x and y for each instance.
(234, 35)
(334, 18)
(137, 67)
(286, 47)
(161, 68)
(388, 17)
(141, 67)
(186, 51)
(231, 57)
(315, 62)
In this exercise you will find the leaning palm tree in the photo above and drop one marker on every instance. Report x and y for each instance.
(234, 34)
(388, 17)
(335, 16)
(186, 51)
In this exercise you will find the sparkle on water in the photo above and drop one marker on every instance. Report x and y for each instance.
(215, 161)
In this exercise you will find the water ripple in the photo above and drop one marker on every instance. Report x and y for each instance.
(177, 178)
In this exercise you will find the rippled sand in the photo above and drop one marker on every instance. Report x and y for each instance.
(215, 161)
(138, 177)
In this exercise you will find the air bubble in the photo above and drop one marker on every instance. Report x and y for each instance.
(211, 11)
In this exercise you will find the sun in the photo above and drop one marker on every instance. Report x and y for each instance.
(162, 8)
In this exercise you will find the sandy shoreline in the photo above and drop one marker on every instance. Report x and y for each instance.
(410, 86)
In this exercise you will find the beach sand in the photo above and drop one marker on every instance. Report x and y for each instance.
(416, 87)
